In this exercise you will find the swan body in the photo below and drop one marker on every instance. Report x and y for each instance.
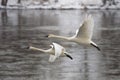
(55, 51)
(83, 34)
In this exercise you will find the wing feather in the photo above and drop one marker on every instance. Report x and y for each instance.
(58, 51)
(86, 29)
(52, 58)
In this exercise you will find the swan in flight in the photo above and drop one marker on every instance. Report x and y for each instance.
(83, 34)
(55, 51)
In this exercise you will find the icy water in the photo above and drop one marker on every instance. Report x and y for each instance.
(20, 28)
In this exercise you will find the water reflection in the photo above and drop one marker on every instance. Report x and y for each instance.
(19, 28)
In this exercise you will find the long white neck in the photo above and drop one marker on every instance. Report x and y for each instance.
(42, 50)
(61, 37)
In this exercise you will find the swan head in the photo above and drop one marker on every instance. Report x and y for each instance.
(29, 47)
(25, 47)
(50, 35)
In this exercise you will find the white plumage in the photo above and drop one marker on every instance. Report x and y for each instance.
(86, 29)
(83, 34)
(55, 51)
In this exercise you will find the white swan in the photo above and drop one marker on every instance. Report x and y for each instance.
(55, 51)
(83, 34)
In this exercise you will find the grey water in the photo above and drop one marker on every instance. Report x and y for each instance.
(21, 28)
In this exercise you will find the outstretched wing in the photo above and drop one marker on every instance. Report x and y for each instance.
(52, 58)
(58, 51)
(86, 29)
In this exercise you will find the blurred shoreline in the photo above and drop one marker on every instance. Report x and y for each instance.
(99, 5)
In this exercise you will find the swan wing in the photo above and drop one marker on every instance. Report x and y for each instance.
(58, 49)
(52, 58)
(86, 29)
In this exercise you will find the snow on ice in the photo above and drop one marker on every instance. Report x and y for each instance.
(61, 4)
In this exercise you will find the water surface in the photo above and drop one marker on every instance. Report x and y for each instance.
(19, 28)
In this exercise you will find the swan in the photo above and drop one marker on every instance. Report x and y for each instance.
(55, 51)
(83, 34)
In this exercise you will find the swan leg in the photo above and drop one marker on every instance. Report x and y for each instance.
(94, 45)
(68, 56)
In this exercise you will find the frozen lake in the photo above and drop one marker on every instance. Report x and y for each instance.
(19, 28)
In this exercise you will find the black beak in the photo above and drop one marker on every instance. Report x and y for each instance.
(68, 56)
(46, 35)
(28, 47)
(25, 47)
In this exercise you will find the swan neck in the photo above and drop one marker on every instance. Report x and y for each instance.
(38, 49)
(61, 37)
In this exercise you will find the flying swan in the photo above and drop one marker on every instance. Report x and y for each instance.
(55, 51)
(83, 34)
